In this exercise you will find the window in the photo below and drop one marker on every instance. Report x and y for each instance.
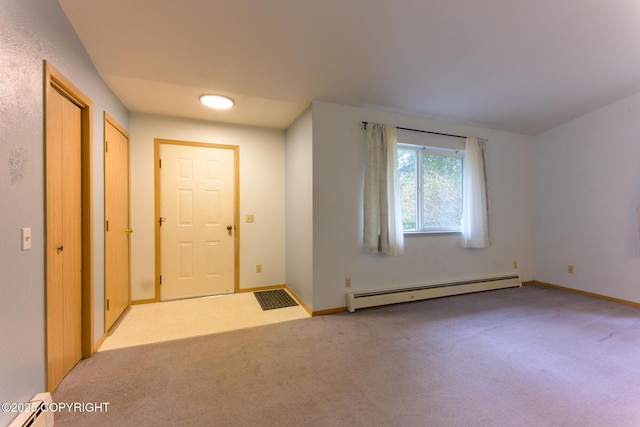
(430, 181)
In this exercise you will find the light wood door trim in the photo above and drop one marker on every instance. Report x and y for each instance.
(55, 81)
(236, 166)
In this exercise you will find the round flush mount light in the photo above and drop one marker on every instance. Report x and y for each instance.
(217, 101)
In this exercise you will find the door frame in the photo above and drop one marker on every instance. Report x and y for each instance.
(54, 80)
(236, 206)
(110, 120)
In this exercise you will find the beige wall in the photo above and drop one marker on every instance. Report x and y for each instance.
(587, 193)
(338, 153)
(32, 31)
(299, 189)
(262, 188)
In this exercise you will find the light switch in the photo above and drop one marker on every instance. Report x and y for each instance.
(26, 239)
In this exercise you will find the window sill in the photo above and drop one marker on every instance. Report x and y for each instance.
(430, 233)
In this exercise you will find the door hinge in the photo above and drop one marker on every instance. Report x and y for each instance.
(160, 163)
(161, 279)
(107, 304)
(107, 225)
(106, 146)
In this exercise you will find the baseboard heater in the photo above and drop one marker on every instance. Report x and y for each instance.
(35, 413)
(363, 299)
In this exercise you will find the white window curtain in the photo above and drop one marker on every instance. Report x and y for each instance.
(475, 214)
(382, 216)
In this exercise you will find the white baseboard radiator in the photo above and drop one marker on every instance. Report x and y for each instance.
(34, 413)
(363, 299)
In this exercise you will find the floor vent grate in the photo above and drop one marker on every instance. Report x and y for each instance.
(278, 298)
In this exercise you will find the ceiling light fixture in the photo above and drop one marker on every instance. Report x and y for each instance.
(217, 101)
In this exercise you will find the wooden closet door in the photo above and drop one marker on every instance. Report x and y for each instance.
(64, 237)
(118, 231)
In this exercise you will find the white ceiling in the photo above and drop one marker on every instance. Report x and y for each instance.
(519, 66)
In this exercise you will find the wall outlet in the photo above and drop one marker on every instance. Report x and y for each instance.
(251, 218)
(347, 282)
(258, 268)
(515, 265)
(571, 269)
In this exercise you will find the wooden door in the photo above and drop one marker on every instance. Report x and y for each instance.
(197, 210)
(117, 227)
(68, 225)
(64, 237)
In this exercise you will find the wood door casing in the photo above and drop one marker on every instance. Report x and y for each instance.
(117, 226)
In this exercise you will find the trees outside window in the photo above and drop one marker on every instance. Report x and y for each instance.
(431, 188)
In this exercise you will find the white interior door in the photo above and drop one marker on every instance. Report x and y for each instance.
(197, 221)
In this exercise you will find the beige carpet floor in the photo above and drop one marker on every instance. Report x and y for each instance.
(170, 320)
(530, 356)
